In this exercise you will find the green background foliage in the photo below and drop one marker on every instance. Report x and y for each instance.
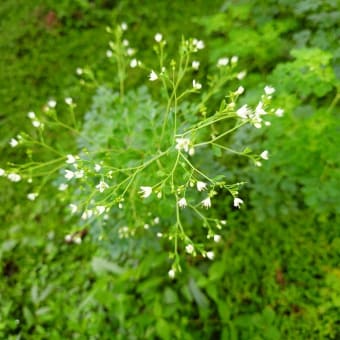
(276, 274)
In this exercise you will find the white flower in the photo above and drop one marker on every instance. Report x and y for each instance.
(196, 85)
(36, 123)
(156, 220)
(195, 65)
(125, 42)
(32, 196)
(265, 155)
(100, 209)
(69, 174)
(257, 163)
(79, 174)
(206, 203)
(109, 54)
(269, 90)
(124, 26)
(70, 159)
(182, 144)
(279, 112)
(158, 37)
(145, 191)
(97, 167)
(259, 111)
(52, 103)
(224, 222)
(182, 202)
(31, 115)
(73, 208)
(237, 202)
(2, 172)
(87, 214)
(120, 205)
(191, 151)
(146, 226)
(130, 51)
(153, 76)
(241, 75)
(217, 238)
(210, 255)
(234, 59)
(63, 186)
(240, 90)
(201, 185)
(159, 195)
(68, 101)
(159, 235)
(171, 273)
(199, 44)
(243, 112)
(102, 186)
(14, 177)
(189, 248)
(133, 63)
(222, 62)
(13, 142)
(79, 71)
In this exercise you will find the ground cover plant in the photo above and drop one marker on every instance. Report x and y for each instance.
(270, 272)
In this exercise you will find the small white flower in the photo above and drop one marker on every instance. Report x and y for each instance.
(87, 214)
(156, 220)
(109, 54)
(133, 63)
(102, 186)
(217, 238)
(2, 172)
(70, 159)
(153, 76)
(125, 42)
(146, 226)
(222, 62)
(100, 209)
(13, 142)
(36, 123)
(14, 177)
(120, 205)
(158, 37)
(234, 59)
(257, 163)
(199, 44)
(243, 112)
(195, 65)
(79, 174)
(237, 202)
(182, 144)
(159, 195)
(196, 85)
(159, 235)
(97, 167)
(206, 203)
(52, 103)
(269, 90)
(171, 274)
(259, 110)
(241, 75)
(124, 26)
(145, 191)
(265, 155)
(63, 186)
(210, 255)
(189, 248)
(69, 174)
(68, 101)
(224, 222)
(73, 208)
(201, 185)
(79, 71)
(240, 90)
(266, 123)
(279, 112)
(31, 115)
(32, 196)
(130, 51)
(182, 202)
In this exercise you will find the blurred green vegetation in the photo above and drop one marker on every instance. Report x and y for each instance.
(276, 274)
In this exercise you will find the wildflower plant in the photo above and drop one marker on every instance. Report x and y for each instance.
(148, 163)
